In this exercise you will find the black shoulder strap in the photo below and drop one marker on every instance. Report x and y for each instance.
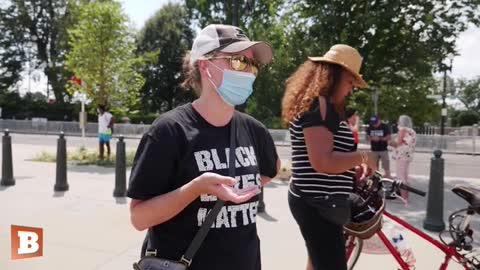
(212, 215)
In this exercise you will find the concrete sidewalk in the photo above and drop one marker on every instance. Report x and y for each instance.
(85, 228)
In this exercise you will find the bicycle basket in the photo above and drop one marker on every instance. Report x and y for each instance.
(366, 219)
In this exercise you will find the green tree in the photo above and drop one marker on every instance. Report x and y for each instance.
(290, 51)
(468, 91)
(37, 29)
(217, 11)
(465, 118)
(102, 55)
(167, 33)
(402, 42)
(11, 55)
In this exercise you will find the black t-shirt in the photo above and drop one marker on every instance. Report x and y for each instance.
(380, 131)
(182, 145)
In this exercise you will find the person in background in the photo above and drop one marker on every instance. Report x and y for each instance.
(323, 152)
(378, 134)
(404, 149)
(105, 130)
(353, 122)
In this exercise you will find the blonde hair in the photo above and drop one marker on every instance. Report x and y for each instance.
(191, 73)
(307, 83)
(405, 121)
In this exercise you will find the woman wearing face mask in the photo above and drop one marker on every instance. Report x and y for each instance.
(323, 152)
(182, 163)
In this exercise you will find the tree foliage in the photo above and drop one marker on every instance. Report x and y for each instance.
(102, 56)
(36, 32)
(12, 55)
(468, 91)
(402, 42)
(167, 35)
(465, 118)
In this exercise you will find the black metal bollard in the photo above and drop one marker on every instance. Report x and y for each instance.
(7, 163)
(434, 220)
(261, 202)
(61, 178)
(120, 170)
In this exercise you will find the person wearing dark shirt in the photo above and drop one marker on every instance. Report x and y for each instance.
(182, 162)
(378, 134)
(323, 152)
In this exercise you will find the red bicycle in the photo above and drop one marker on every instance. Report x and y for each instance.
(459, 248)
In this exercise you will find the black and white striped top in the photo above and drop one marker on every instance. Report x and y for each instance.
(305, 179)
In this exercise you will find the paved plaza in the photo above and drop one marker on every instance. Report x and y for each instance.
(86, 228)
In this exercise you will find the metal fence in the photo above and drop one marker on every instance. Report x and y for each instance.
(448, 143)
(449, 131)
(461, 140)
(70, 128)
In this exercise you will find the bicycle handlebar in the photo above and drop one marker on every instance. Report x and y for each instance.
(401, 185)
(412, 189)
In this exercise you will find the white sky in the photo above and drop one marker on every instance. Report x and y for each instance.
(466, 65)
(139, 13)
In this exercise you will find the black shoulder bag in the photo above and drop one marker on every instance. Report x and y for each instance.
(151, 262)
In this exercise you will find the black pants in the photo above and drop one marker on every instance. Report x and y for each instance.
(324, 240)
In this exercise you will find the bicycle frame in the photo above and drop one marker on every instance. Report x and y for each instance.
(450, 251)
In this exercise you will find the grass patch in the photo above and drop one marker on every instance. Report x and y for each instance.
(84, 156)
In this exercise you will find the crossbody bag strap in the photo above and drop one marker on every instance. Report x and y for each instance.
(203, 231)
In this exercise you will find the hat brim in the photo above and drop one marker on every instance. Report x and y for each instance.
(359, 81)
(261, 50)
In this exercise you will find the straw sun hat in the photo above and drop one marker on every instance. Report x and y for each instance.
(348, 58)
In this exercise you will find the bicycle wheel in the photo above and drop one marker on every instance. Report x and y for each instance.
(353, 247)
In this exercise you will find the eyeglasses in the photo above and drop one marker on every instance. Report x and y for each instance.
(240, 62)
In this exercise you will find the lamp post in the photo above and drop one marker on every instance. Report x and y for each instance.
(444, 96)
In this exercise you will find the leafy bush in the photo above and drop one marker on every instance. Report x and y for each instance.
(465, 118)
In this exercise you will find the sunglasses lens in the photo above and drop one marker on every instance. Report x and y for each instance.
(238, 62)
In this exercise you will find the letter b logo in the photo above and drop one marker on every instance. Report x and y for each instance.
(27, 242)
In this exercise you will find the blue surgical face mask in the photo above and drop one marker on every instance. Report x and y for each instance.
(236, 86)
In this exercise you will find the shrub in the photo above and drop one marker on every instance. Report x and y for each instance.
(465, 118)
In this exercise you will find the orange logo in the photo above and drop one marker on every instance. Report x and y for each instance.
(27, 242)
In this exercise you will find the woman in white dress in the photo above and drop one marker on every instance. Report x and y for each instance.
(404, 149)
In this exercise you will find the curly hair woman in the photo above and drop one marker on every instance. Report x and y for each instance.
(323, 155)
